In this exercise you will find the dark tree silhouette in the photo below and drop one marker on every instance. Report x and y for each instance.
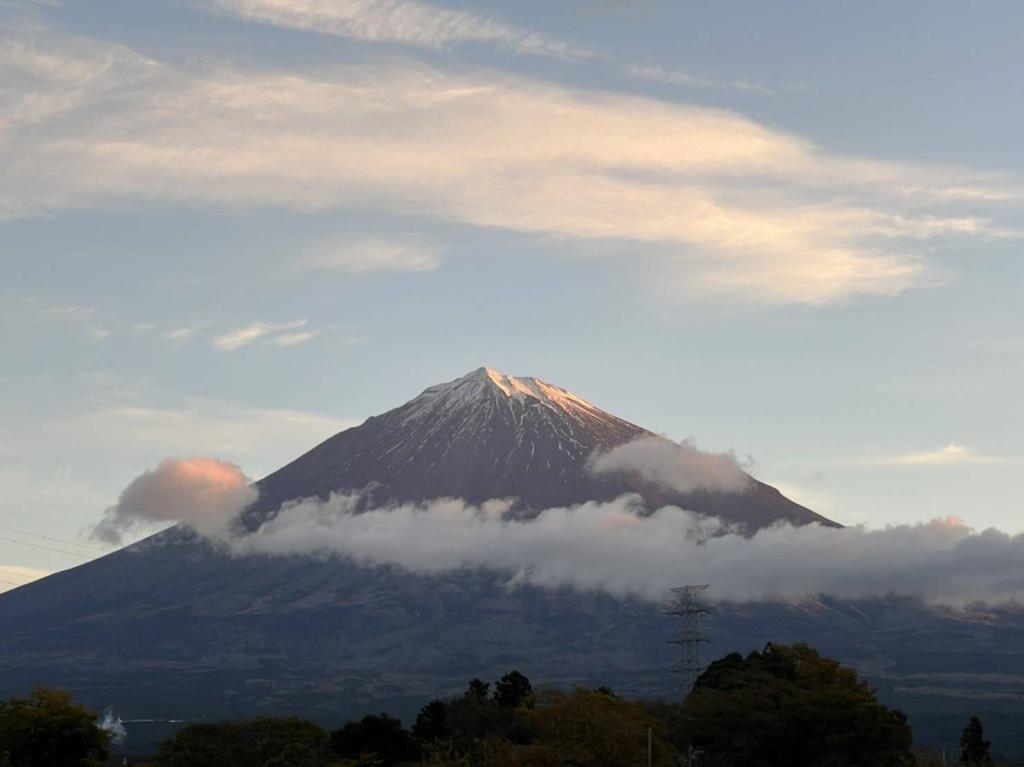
(790, 706)
(974, 749)
(512, 690)
(262, 742)
(47, 729)
(377, 736)
(478, 689)
(432, 723)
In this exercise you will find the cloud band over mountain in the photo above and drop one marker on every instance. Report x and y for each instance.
(617, 547)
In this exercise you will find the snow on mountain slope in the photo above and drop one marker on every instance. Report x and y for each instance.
(490, 435)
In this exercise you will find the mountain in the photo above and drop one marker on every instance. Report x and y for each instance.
(489, 435)
(172, 628)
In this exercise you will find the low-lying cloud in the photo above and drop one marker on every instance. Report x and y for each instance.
(619, 547)
(675, 466)
(204, 494)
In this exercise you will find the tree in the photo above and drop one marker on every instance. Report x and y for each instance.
(974, 749)
(432, 723)
(512, 690)
(262, 742)
(592, 729)
(467, 726)
(379, 737)
(477, 689)
(787, 706)
(47, 729)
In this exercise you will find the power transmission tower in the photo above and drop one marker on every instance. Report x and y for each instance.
(686, 603)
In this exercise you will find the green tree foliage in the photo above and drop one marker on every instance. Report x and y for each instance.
(974, 749)
(263, 742)
(377, 739)
(790, 706)
(47, 729)
(513, 690)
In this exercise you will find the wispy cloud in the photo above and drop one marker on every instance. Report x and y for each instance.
(690, 80)
(398, 21)
(33, 314)
(723, 208)
(374, 255)
(292, 339)
(243, 336)
(179, 336)
(951, 454)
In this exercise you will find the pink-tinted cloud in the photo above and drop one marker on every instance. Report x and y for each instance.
(204, 494)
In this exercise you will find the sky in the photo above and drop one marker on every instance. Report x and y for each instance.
(232, 228)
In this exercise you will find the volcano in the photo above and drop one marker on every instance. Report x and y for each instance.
(173, 628)
(489, 435)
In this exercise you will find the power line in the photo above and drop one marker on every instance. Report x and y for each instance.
(33, 516)
(50, 538)
(48, 548)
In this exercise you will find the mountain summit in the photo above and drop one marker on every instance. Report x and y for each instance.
(491, 435)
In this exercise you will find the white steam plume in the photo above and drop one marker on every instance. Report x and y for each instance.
(676, 466)
(205, 494)
(616, 548)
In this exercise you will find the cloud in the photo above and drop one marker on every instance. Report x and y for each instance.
(687, 79)
(374, 255)
(615, 547)
(179, 336)
(292, 339)
(13, 576)
(705, 203)
(951, 454)
(239, 337)
(204, 494)
(676, 466)
(31, 313)
(77, 456)
(398, 21)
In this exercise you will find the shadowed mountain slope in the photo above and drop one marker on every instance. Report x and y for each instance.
(488, 435)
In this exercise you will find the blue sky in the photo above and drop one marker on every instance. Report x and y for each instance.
(233, 227)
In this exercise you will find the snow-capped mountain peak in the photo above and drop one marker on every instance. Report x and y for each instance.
(485, 380)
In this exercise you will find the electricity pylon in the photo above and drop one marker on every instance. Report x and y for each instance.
(686, 603)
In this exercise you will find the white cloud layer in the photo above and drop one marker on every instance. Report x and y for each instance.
(719, 205)
(614, 547)
(680, 467)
